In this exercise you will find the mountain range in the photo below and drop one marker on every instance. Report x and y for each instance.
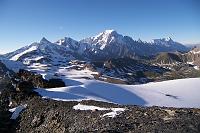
(106, 45)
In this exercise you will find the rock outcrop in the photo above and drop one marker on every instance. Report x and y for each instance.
(38, 81)
(25, 86)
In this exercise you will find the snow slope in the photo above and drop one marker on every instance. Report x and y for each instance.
(43, 52)
(173, 93)
(12, 65)
(16, 57)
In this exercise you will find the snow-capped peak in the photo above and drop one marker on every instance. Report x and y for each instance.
(163, 40)
(139, 40)
(106, 34)
(69, 40)
(60, 42)
(104, 38)
(109, 31)
(68, 43)
(168, 39)
(44, 40)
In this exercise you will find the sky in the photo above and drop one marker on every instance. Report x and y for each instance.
(23, 22)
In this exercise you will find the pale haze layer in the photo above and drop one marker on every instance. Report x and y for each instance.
(23, 22)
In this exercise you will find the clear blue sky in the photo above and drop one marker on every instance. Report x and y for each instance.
(25, 21)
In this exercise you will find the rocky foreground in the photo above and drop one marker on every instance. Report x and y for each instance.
(45, 115)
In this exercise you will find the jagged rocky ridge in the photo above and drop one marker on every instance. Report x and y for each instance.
(192, 56)
(5, 75)
(127, 71)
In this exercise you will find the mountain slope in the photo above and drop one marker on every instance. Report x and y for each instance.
(168, 45)
(12, 65)
(168, 58)
(42, 52)
(191, 57)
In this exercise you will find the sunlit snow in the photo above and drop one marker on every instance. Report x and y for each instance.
(114, 111)
(172, 93)
(16, 57)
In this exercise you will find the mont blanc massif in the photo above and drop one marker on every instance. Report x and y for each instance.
(105, 83)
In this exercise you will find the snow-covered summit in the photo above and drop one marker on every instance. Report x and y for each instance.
(163, 41)
(107, 33)
(68, 42)
(169, 45)
(44, 40)
(139, 40)
(104, 38)
(168, 39)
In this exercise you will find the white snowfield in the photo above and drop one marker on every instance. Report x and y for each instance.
(172, 93)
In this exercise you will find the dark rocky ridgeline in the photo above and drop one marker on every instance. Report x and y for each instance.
(178, 66)
(127, 71)
(38, 81)
(44, 115)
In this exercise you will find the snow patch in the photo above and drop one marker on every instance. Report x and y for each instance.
(195, 52)
(114, 111)
(87, 107)
(190, 63)
(196, 67)
(16, 111)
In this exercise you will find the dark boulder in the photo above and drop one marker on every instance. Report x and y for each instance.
(38, 81)
(25, 86)
(6, 125)
(56, 83)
